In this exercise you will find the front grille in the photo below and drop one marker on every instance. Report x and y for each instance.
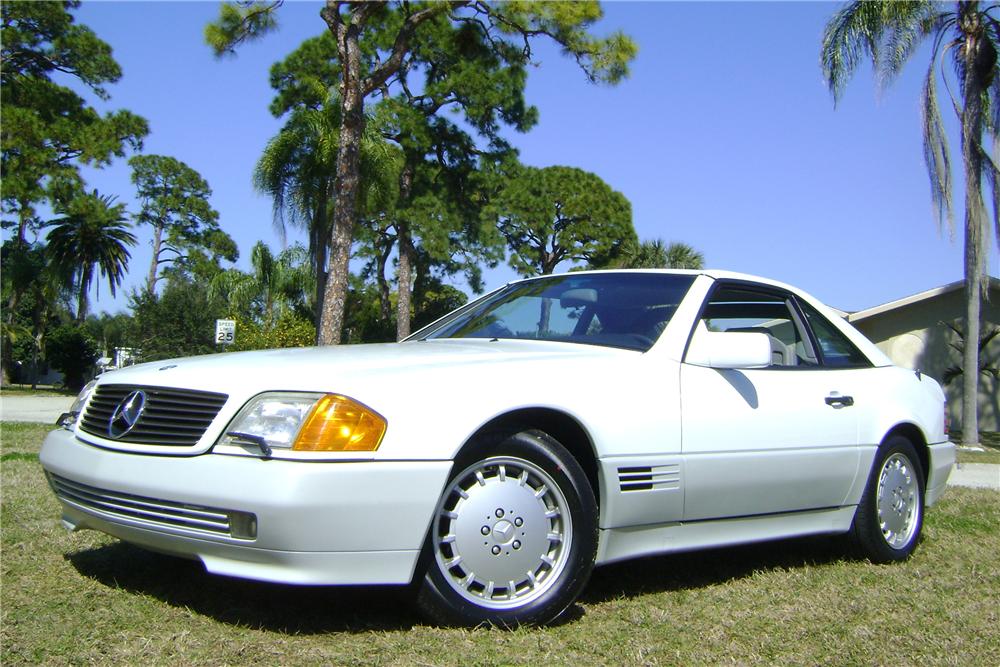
(172, 417)
(155, 512)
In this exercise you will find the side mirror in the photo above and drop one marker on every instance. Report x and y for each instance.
(729, 349)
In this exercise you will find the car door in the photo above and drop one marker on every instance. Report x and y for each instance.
(775, 439)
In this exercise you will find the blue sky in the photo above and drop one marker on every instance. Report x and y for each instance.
(724, 137)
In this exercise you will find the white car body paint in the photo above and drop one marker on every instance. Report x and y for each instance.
(686, 456)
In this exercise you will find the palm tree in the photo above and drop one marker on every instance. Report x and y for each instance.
(297, 170)
(889, 33)
(275, 285)
(656, 254)
(92, 234)
(683, 256)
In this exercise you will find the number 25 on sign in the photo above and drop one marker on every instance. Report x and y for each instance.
(225, 332)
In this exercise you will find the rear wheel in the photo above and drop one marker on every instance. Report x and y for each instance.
(890, 515)
(514, 536)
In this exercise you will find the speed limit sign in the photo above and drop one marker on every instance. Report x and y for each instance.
(225, 332)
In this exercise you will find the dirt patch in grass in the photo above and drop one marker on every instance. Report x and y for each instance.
(88, 598)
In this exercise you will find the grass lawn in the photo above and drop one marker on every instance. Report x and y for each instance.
(42, 390)
(87, 598)
(990, 442)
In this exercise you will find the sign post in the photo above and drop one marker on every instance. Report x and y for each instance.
(225, 332)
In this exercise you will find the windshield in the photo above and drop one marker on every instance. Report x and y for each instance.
(628, 310)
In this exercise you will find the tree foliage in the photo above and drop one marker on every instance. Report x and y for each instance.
(174, 203)
(275, 287)
(656, 254)
(177, 323)
(288, 330)
(366, 322)
(92, 235)
(73, 353)
(48, 129)
(452, 70)
(557, 214)
(297, 170)
(35, 294)
(967, 34)
(109, 331)
(508, 28)
(432, 159)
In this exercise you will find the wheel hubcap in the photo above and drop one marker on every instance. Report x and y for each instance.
(898, 501)
(503, 533)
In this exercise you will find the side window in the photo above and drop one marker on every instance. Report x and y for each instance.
(738, 308)
(837, 350)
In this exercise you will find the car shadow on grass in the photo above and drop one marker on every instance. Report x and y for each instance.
(306, 610)
(293, 610)
(710, 567)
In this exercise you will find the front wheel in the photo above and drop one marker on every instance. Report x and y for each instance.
(890, 515)
(514, 537)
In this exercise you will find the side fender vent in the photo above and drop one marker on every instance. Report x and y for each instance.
(649, 478)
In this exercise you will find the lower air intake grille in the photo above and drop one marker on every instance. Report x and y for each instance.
(154, 512)
(171, 417)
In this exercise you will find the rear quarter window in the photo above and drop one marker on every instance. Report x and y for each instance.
(837, 350)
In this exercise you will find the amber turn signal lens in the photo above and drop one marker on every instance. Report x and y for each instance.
(340, 424)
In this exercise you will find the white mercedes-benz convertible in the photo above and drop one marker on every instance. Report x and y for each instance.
(497, 455)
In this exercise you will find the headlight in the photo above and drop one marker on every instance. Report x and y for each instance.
(306, 422)
(68, 419)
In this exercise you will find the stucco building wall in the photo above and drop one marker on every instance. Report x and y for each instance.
(912, 336)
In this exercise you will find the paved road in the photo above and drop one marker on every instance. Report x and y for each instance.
(45, 409)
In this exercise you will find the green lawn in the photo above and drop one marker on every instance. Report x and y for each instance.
(42, 390)
(990, 442)
(87, 598)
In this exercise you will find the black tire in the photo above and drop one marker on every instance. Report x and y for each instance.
(890, 516)
(528, 507)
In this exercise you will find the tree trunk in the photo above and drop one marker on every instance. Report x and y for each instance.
(317, 243)
(86, 273)
(6, 349)
(155, 263)
(404, 282)
(342, 233)
(383, 284)
(34, 365)
(972, 132)
(352, 125)
(404, 271)
(22, 222)
(353, 89)
(970, 360)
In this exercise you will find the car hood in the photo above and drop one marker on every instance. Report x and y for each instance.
(357, 368)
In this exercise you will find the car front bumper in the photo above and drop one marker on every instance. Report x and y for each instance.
(271, 520)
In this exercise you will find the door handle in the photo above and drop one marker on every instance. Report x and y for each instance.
(842, 401)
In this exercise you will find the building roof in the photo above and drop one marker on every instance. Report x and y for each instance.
(914, 298)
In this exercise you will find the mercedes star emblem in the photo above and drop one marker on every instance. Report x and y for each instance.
(126, 414)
